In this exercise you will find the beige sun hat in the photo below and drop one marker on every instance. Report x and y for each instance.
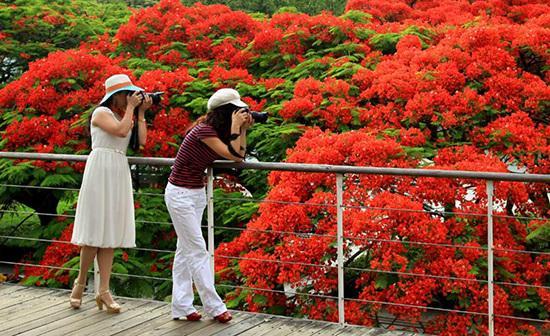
(117, 83)
(225, 96)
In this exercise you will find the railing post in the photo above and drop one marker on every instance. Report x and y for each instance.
(96, 276)
(490, 289)
(340, 246)
(210, 215)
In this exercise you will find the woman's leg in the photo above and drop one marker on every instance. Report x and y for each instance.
(182, 283)
(105, 262)
(187, 216)
(203, 276)
(87, 255)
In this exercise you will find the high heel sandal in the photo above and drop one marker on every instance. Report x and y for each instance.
(76, 303)
(111, 308)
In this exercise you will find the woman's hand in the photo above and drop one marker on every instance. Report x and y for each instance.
(134, 100)
(249, 122)
(239, 118)
(146, 103)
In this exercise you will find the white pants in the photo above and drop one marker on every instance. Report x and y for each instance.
(192, 261)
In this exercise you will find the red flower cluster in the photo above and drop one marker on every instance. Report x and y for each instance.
(56, 255)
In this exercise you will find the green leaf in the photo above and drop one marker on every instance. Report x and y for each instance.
(382, 281)
(259, 299)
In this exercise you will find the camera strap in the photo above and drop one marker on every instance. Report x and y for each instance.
(233, 152)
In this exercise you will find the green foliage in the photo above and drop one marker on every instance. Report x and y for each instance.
(231, 210)
(34, 28)
(140, 65)
(357, 16)
(273, 6)
(152, 219)
(540, 238)
(387, 42)
(195, 97)
(531, 304)
(268, 143)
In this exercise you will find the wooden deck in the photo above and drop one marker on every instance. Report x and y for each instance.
(39, 311)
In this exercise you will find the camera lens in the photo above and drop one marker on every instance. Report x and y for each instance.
(156, 97)
(259, 117)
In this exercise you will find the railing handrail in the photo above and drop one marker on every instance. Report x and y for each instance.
(304, 167)
(339, 172)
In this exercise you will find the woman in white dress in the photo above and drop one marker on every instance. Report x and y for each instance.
(105, 209)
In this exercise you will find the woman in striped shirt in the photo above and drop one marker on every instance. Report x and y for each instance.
(221, 134)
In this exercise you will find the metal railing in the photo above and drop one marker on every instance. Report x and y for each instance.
(339, 171)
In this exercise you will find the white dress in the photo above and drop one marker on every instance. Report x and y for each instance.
(105, 208)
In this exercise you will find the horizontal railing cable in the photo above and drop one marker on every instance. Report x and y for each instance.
(415, 274)
(23, 186)
(71, 216)
(36, 187)
(367, 207)
(275, 231)
(522, 318)
(276, 261)
(435, 212)
(417, 307)
(520, 285)
(68, 242)
(41, 266)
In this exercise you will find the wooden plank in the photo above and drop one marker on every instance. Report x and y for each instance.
(216, 327)
(202, 327)
(133, 323)
(310, 329)
(240, 327)
(148, 326)
(355, 331)
(28, 295)
(266, 328)
(106, 328)
(38, 311)
(94, 319)
(168, 325)
(10, 288)
(32, 308)
(78, 318)
(289, 327)
(330, 330)
(62, 312)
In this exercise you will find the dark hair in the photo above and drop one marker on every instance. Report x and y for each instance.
(220, 119)
(106, 104)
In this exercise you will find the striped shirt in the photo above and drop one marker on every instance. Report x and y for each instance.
(193, 157)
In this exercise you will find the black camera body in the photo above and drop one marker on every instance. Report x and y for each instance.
(155, 96)
(259, 117)
(134, 139)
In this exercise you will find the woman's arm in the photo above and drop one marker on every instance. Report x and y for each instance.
(239, 123)
(221, 149)
(114, 127)
(142, 124)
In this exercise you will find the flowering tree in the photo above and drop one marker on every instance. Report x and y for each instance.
(443, 84)
(32, 29)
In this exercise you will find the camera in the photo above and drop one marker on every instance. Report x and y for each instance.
(155, 96)
(259, 117)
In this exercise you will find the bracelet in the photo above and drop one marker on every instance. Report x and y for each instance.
(142, 120)
(234, 136)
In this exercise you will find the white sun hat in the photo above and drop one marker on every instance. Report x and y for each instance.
(117, 83)
(225, 96)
